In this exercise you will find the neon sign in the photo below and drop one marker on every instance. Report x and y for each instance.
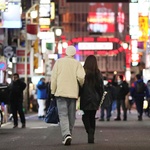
(95, 45)
(100, 51)
(101, 18)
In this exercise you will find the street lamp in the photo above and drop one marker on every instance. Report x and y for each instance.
(57, 30)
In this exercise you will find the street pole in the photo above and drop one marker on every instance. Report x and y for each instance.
(27, 51)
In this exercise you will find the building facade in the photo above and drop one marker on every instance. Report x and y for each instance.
(102, 20)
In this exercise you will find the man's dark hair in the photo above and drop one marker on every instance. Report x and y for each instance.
(121, 77)
(16, 74)
(138, 76)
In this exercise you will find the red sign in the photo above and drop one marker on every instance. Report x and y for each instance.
(101, 18)
(98, 40)
(32, 29)
(20, 66)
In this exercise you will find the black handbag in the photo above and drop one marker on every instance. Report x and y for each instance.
(52, 113)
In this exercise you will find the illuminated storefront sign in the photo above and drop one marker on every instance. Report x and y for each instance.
(135, 59)
(45, 1)
(44, 15)
(95, 46)
(47, 35)
(44, 21)
(133, 20)
(143, 27)
(2, 5)
(120, 18)
(83, 49)
(105, 1)
(12, 17)
(101, 17)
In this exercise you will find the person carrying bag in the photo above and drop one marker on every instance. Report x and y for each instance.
(52, 113)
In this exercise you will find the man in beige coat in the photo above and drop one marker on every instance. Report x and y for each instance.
(66, 74)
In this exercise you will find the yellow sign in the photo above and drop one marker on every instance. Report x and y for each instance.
(143, 27)
(2, 5)
(52, 10)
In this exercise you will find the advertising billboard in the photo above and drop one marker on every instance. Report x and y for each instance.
(101, 18)
(105, 1)
(12, 17)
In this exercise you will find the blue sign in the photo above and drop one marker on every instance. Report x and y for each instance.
(2, 66)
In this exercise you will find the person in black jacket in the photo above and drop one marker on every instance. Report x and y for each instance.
(139, 95)
(16, 89)
(111, 94)
(91, 95)
(122, 89)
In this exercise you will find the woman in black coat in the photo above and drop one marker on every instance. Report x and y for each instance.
(91, 95)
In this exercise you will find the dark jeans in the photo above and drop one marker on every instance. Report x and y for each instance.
(18, 107)
(119, 104)
(88, 119)
(108, 112)
(139, 105)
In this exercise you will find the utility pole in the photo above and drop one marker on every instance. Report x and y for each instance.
(29, 21)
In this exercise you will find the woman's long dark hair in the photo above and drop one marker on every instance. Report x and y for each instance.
(93, 74)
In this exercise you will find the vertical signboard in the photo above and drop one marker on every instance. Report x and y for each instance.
(143, 27)
(20, 66)
(133, 20)
(44, 15)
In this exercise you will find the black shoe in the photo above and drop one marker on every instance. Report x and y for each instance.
(125, 119)
(140, 118)
(117, 119)
(23, 126)
(15, 126)
(102, 119)
(108, 119)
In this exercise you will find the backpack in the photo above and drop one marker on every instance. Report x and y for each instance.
(140, 87)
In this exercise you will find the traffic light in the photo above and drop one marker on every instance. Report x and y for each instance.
(36, 51)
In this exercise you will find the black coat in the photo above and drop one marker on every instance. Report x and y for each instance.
(16, 89)
(91, 96)
(122, 90)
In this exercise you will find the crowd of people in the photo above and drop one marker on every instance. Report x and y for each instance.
(68, 74)
(69, 81)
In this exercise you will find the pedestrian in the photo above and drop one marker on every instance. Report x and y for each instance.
(48, 91)
(16, 89)
(41, 97)
(138, 92)
(148, 108)
(110, 91)
(122, 89)
(66, 74)
(91, 95)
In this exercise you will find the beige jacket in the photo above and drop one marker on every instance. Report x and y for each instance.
(65, 73)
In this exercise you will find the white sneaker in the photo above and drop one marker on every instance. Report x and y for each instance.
(67, 140)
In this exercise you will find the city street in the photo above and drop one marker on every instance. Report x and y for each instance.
(114, 135)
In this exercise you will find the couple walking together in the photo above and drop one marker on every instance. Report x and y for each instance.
(67, 74)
